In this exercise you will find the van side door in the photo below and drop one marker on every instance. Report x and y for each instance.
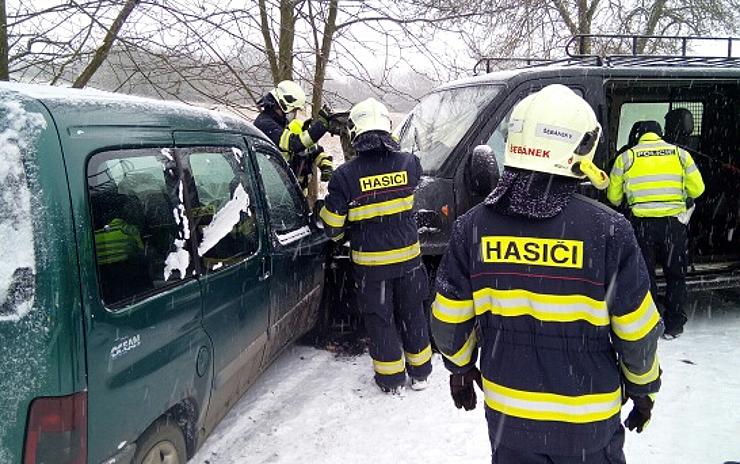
(223, 210)
(298, 251)
(144, 328)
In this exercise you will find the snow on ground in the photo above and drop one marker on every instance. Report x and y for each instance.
(311, 407)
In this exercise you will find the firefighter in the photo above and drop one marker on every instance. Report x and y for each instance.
(296, 139)
(660, 181)
(551, 286)
(370, 199)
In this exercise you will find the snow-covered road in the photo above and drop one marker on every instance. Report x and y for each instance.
(311, 407)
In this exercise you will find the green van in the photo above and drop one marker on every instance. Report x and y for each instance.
(156, 258)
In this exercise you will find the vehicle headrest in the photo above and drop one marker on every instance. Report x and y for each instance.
(679, 122)
(640, 128)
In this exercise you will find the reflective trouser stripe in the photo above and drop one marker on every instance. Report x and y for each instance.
(383, 208)
(389, 367)
(658, 208)
(552, 407)
(452, 311)
(332, 219)
(464, 354)
(543, 307)
(642, 379)
(636, 324)
(417, 359)
(380, 258)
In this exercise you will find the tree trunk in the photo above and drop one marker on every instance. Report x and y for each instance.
(102, 52)
(285, 43)
(4, 71)
(322, 59)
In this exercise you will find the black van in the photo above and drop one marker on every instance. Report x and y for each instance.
(448, 124)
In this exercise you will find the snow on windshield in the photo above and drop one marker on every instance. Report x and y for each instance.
(18, 130)
(225, 220)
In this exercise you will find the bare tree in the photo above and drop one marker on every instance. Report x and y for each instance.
(4, 72)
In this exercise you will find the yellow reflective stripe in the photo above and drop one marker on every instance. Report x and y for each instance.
(306, 139)
(452, 311)
(417, 359)
(579, 409)
(332, 219)
(642, 379)
(383, 208)
(389, 367)
(339, 237)
(464, 354)
(285, 140)
(636, 324)
(381, 258)
(543, 307)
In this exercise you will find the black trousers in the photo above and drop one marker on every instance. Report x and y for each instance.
(613, 453)
(665, 241)
(393, 312)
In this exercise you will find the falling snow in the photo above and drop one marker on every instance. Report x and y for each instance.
(311, 406)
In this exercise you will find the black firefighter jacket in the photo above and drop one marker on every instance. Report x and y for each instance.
(370, 201)
(565, 321)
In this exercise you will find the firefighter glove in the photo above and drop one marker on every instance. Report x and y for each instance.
(462, 389)
(325, 115)
(639, 417)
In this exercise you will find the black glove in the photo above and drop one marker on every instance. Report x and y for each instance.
(640, 414)
(325, 115)
(462, 390)
(689, 202)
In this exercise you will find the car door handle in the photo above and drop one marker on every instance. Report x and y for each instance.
(265, 269)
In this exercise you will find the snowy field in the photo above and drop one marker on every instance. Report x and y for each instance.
(311, 407)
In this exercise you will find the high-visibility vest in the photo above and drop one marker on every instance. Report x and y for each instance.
(117, 242)
(655, 177)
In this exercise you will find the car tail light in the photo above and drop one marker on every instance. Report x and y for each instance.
(57, 430)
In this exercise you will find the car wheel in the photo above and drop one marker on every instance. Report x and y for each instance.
(162, 443)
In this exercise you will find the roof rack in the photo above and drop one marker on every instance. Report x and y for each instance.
(633, 59)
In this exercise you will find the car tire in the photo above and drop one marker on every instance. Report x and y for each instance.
(161, 443)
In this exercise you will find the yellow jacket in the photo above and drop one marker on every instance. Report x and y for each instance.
(656, 177)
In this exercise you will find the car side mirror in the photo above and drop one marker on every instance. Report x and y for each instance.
(483, 168)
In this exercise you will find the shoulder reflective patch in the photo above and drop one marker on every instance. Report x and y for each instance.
(532, 251)
(381, 181)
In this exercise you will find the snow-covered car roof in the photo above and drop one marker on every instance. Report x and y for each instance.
(96, 107)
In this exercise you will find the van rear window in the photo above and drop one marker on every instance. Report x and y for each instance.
(19, 129)
(440, 120)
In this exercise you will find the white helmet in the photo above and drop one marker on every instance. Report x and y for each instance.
(552, 131)
(290, 96)
(368, 115)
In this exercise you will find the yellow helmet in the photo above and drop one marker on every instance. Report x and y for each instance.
(290, 96)
(553, 131)
(368, 115)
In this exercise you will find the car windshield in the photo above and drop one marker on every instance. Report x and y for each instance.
(436, 125)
